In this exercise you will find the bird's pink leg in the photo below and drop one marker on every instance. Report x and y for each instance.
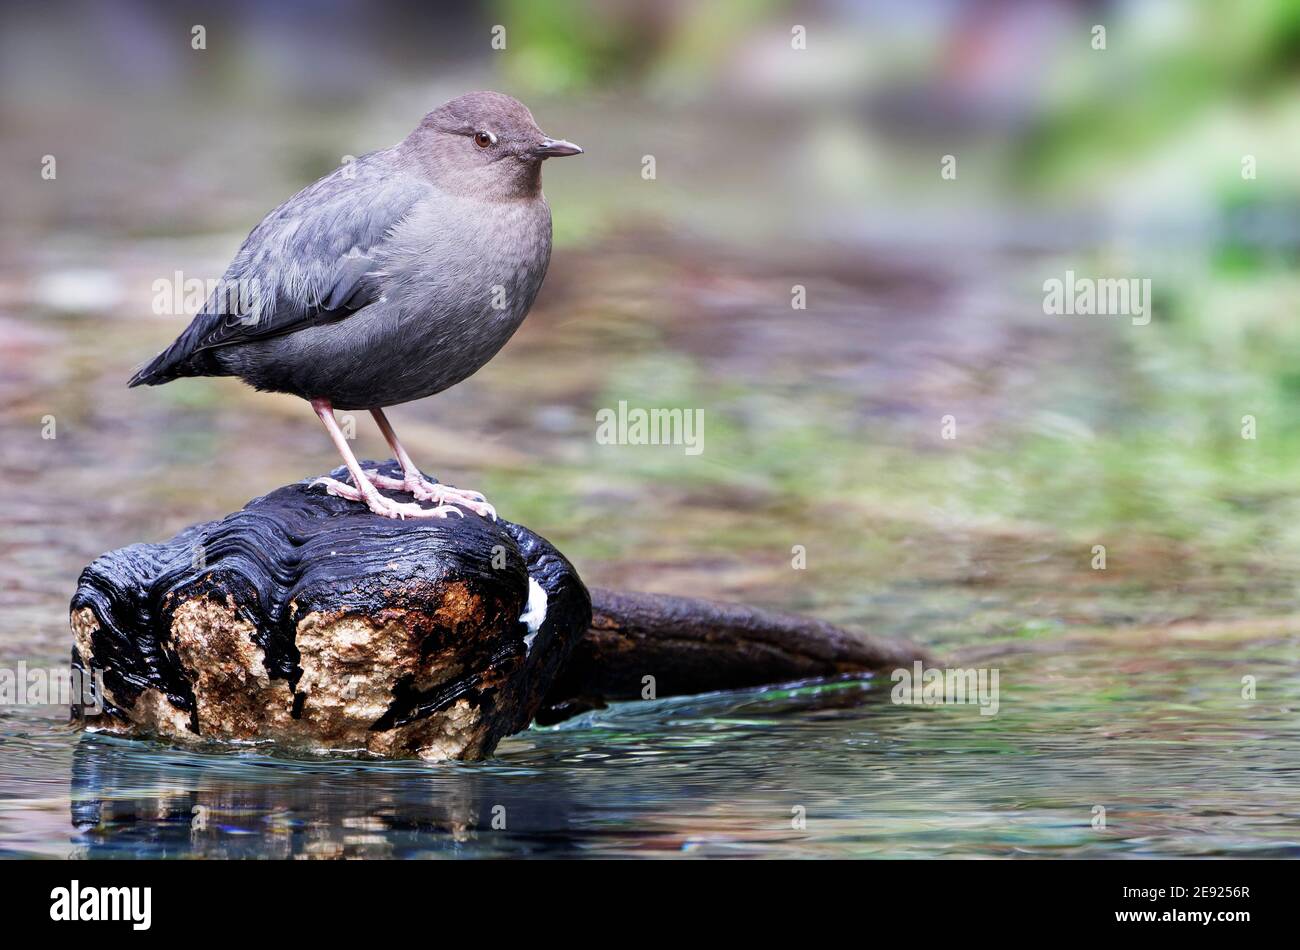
(413, 479)
(364, 490)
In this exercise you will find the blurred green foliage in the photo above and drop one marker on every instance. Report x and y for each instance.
(592, 47)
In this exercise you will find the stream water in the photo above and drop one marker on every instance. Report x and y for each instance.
(1149, 694)
(1179, 763)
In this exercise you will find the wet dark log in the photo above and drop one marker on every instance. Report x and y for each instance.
(689, 646)
(306, 622)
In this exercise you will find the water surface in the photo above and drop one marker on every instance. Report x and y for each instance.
(1181, 765)
(1122, 689)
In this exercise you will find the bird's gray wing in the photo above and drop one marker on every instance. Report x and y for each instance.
(313, 259)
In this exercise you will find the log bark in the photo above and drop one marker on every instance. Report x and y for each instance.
(687, 645)
(308, 622)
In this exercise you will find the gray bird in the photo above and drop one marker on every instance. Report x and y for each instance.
(392, 278)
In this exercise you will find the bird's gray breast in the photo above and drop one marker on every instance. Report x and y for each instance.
(457, 277)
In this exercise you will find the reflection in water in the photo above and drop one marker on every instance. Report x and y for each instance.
(1181, 765)
(130, 800)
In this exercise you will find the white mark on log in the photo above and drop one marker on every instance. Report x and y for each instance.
(534, 614)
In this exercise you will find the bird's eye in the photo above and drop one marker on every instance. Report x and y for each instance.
(483, 139)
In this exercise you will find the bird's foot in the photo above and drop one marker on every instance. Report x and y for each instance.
(384, 506)
(422, 489)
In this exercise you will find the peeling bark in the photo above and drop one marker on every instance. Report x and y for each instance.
(306, 621)
(694, 646)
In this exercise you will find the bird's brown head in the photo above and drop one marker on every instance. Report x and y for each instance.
(485, 143)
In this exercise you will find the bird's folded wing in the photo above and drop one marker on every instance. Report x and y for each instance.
(312, 259)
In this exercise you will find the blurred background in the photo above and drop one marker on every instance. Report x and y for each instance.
(794, 143)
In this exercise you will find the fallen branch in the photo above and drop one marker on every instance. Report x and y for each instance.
(693, 646)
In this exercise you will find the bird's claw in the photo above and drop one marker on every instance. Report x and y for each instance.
(383, 506)
(422, 489)
(339, 489)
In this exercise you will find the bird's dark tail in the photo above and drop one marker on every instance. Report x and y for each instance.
(187, 356)
(154, 373)
(176, 361)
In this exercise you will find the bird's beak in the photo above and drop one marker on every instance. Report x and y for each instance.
(554, 148)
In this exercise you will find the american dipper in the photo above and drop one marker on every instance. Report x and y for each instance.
(392, 278)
